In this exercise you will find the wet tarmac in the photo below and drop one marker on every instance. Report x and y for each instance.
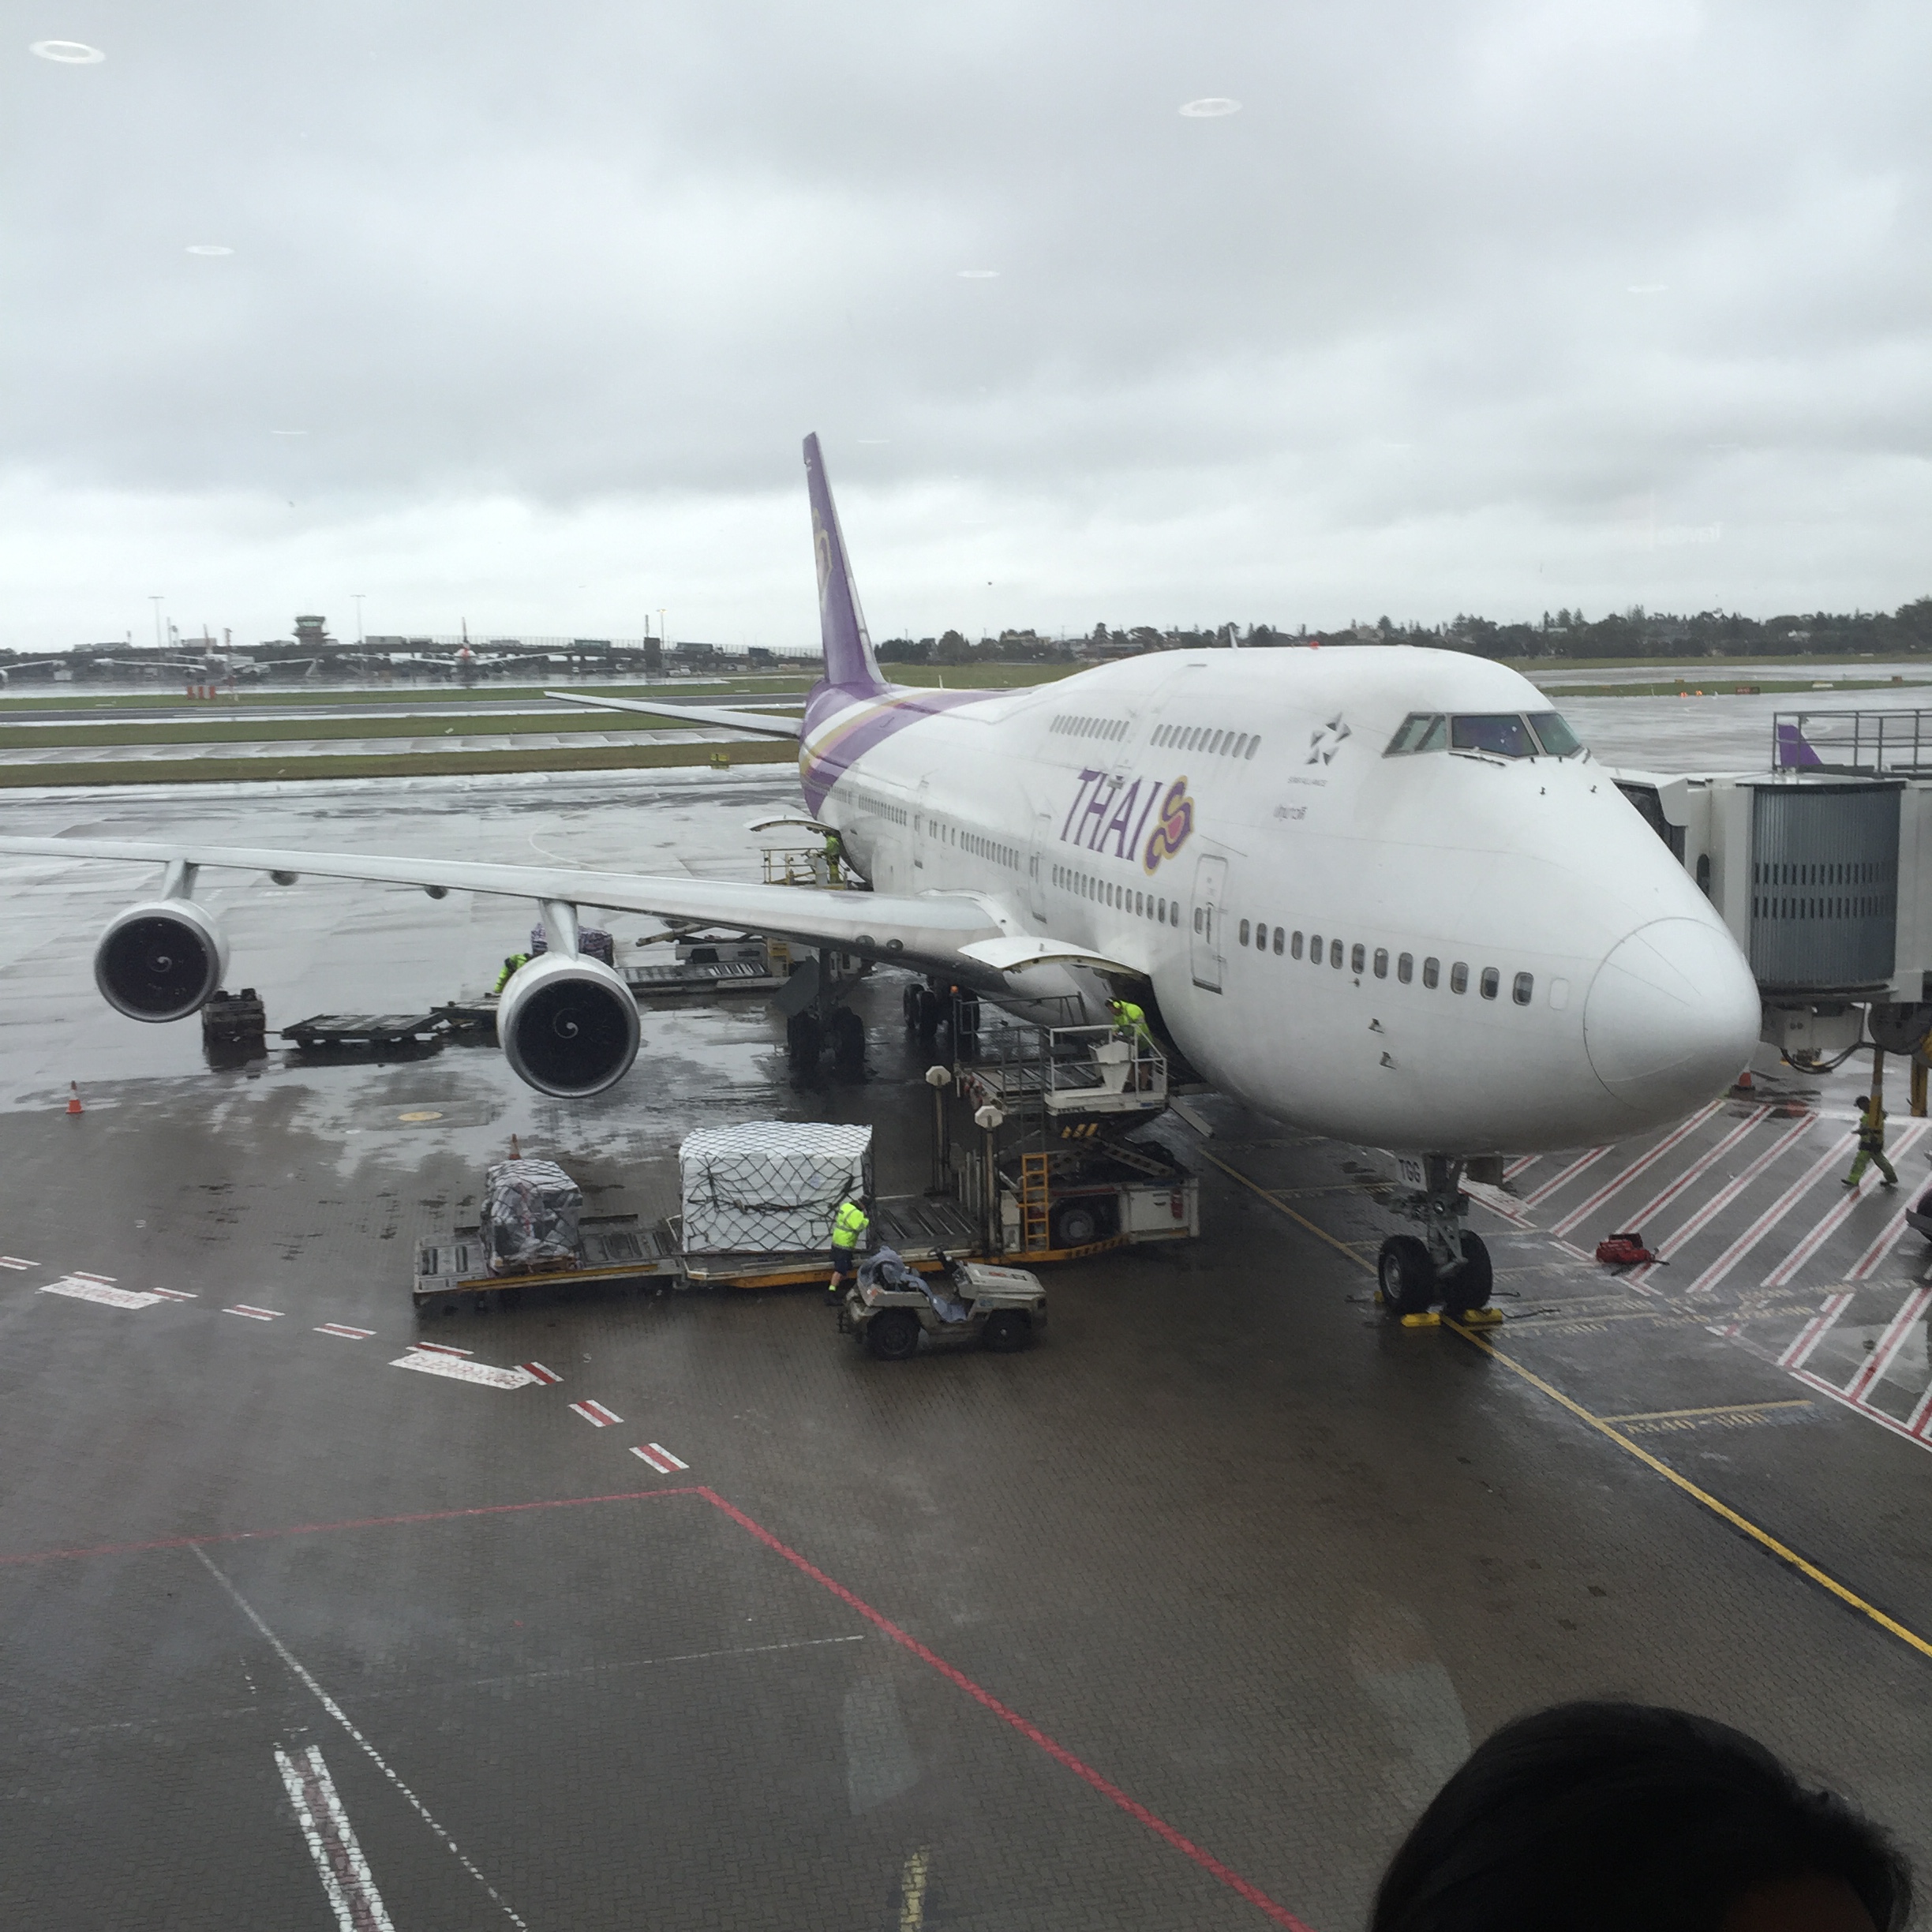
(1175, 1620)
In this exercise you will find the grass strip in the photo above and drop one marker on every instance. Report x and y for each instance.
(390, 765)
(226, 730)
(81, 700)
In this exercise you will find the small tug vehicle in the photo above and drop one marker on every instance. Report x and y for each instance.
(891, 1304)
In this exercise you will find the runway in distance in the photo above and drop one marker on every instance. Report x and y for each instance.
(1379, 892)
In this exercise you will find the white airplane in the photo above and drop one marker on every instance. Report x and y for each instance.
(1381, 894)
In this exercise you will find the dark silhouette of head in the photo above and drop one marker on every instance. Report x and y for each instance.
(1626, 1817)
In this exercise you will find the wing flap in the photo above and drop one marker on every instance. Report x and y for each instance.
(1015, 952)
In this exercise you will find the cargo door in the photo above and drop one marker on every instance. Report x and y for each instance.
(1204, 942)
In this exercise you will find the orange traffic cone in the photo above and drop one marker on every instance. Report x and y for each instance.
(1744, 1080)
(73, 1097)
(516, 1153)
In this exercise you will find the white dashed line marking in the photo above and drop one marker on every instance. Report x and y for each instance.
(439, 1348)
(254, 1314)
(88, 1274)
(85, 1288)
(14, 1261)
(660, 1458)
(541, 1372)
(481, 1373)
(596, 1414)
(348, 1333)
(174, 1294)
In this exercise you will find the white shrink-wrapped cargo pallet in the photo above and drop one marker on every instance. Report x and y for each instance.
(770, 1187)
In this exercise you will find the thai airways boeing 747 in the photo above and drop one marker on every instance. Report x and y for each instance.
(1382, 893)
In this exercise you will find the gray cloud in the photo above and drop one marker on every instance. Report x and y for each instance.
(553, 296)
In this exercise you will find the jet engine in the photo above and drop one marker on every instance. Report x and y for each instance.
(569, 1027)
(161, 961)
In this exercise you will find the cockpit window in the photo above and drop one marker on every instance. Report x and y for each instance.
(1556, 737)
(1422, 731)
(1501, 734)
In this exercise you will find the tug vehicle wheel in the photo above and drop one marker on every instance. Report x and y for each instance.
(893, 1335)
(1007, 1331)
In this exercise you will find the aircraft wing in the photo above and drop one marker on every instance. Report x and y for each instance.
(876, 925)
(764, 723)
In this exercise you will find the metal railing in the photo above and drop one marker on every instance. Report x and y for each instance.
(1852, 741)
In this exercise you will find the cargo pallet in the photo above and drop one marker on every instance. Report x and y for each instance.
(620, 1253)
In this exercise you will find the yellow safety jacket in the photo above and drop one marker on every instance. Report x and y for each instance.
(849, 1225)
(510, 967)
(1871, 1129)
(1132, 1019)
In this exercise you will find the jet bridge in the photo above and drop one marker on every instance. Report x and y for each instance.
(1821, 867)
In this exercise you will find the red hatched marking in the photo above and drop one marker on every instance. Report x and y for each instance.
(14, 1261)
(438, 1348)
(254, 1314)
(660, 1458)
(541, 1372)
(1812, 1333)
(1873, 1369)
(82, 1275)
(596, 1414)
(174, 1294)
(348, 1333)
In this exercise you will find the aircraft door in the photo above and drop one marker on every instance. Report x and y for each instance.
(1205, 952)
(1037, 865)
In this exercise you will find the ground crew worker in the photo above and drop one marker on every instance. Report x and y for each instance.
(833, 854)
(1871, 1144)
(1131, 1022)
(850, 1226)
(509, 967)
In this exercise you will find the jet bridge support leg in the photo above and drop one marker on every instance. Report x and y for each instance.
(1446, 1262)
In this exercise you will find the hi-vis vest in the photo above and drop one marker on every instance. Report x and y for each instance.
(1131, 1016)
(848, 1225)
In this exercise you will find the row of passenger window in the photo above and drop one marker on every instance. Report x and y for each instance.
(1205, 738)
(1357, 959)
(1122, 898)
(972, 842)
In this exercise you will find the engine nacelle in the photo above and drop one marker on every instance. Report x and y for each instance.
(161, 961)
(569, 1027)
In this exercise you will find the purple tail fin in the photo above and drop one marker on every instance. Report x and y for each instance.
(848, 659)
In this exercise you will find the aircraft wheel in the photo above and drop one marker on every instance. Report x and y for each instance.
(1007, 1331)
(1406, 1275)
(803, 1039)
(848, 1041)
(1472, 1283)
(893, 1335)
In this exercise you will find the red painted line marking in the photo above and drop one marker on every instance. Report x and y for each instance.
(1640, 1165)
(348, 1335)
(174, 1294)
(1729, 1191)
(1550, 1186)
(324, 1529)
(1890, 1343)
(1060, 1755)
(541, 1372)
(1833, 1220)
(82, 1275)
(669, 1457)
(14, 1261)
(596, 1414)
(1813, 1332)
(1862, 1408)
(440, 1348)
(1517, 1166)
(1922, 1413)
(1771, 1216)
(662, 1465)
(254, 1314)
(1888, 1238)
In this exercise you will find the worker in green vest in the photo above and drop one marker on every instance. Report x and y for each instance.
(833, 854)
(850, 1226)
(509, 967)
(1871, 1144)
(1132, 1023)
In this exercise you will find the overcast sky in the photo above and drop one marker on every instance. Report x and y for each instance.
(1497, 307)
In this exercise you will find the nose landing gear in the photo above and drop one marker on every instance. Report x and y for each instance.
(1446, 1263)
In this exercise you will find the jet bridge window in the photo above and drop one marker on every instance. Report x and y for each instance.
(1422, 731)
(1502, 734)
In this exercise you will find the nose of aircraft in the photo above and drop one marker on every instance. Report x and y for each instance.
(1672, 1017)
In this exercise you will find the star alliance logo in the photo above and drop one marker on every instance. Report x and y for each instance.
(1324, 744)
